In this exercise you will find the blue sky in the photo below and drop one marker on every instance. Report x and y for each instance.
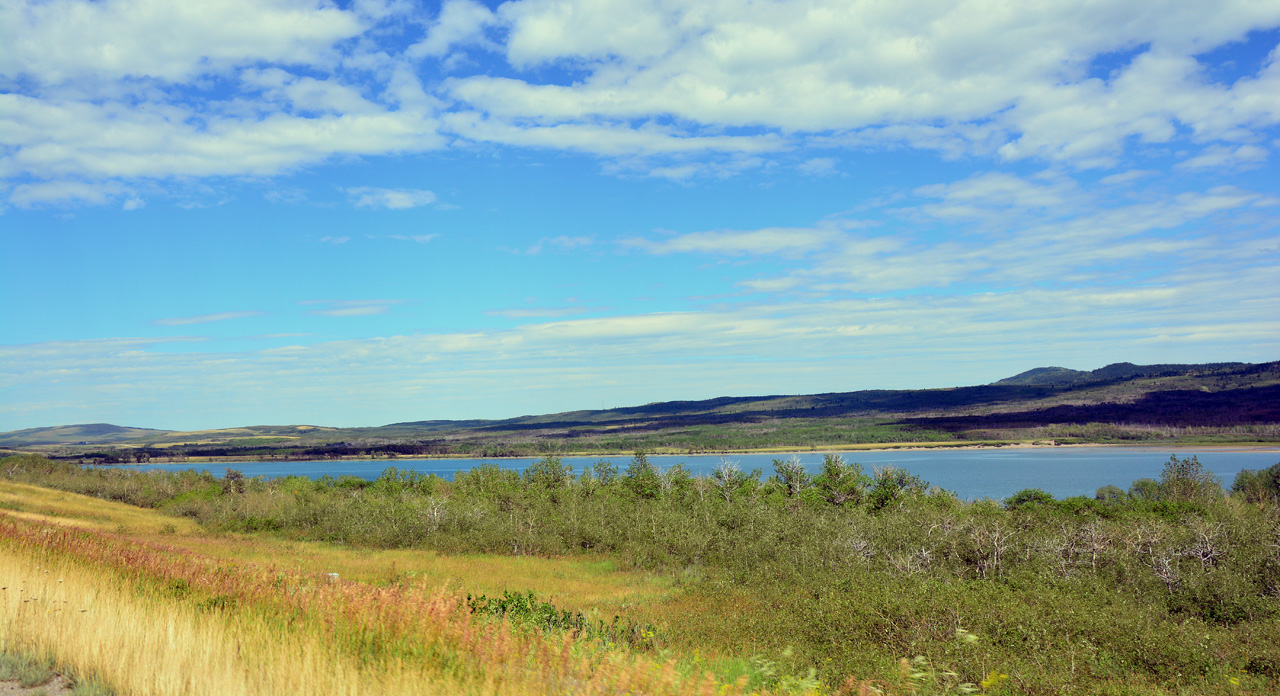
(240, 212)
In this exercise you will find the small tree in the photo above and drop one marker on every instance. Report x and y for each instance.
(606, 472)
(1145, 489)
(548, 474)
(1258, 486)
(642, 477)
(791, 475)
(728, 478)
(841, 482)
(891, 485)
(1187, 480)
(233, 481)
(675, 480)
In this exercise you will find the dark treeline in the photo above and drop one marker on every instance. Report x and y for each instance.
(1172, 582)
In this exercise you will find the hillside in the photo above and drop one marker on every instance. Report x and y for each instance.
(1119, 402)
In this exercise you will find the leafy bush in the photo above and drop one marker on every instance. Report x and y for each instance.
(840, 482)
(1258, 486)
(1109, 494)
(1028, 496)
(892, 485)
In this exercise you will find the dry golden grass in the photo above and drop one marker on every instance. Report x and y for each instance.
(89, 583)
(579, 584)
(147, 620)
(71, 509)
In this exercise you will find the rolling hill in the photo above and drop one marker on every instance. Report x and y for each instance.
(1135, 402)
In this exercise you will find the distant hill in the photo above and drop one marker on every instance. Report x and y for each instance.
(1047, 375)
(86, 433)
(1133, 398)
(1114, 371)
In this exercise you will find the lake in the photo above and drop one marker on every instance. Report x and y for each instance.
(971, 473)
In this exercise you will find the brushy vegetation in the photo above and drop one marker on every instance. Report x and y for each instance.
(1170, 587)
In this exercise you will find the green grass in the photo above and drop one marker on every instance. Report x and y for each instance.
(31, 672)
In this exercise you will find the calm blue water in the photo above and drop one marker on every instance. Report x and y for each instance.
(972, 474)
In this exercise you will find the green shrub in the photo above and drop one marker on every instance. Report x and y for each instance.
(1028, 496)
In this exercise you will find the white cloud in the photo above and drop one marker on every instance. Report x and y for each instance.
(989, 230)
(561, 242)
(460, 22)
(819, 166)
(778, 347)
(60, 40)
(351, 308)
(393, 199)
(772, 240)
(208, 318)
(1023, 71)
(115, 140)
(239, 88)
(1223, 157)
(536, 312)
(610, 139)
(65, 192)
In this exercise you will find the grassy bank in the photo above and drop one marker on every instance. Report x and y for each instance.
(148, 618)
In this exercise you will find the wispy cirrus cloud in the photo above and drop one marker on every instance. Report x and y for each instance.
(989, 230)
(389, 199)
(770, 240)
(350, 308)
(537, 312)
(208, 318)
(415, 238)
(777, 347)
(559, 243)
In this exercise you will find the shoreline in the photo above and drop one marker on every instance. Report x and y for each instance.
(867, 447)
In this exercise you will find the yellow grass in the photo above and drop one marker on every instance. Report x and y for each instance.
(144, 645)
(76, 598)
(593, 586)
(71, 509)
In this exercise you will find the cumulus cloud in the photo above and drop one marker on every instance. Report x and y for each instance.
(62, 40)
(460, 22)
(238, 88)
(1020, 75)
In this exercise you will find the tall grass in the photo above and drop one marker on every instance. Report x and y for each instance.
(149, 621)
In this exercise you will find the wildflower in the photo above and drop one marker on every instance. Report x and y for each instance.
(993, 679)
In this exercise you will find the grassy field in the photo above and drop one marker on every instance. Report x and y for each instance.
(150, 604)
(640, 581)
